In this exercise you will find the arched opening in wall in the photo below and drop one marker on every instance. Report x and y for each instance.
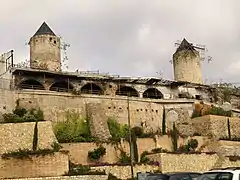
(152, 93)
(31, 84)
(127, 91)
(91, 88)
(61, 86)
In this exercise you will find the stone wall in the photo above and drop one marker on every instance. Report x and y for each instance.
(78, 152)
(191, 162)
(85, 177)
(145, 112)
(224, 148)
(216, 126)
(37, 166)
(20, 136)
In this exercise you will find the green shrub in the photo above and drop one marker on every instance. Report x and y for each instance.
(20, 111)
(11, 118)
(193, 143)
(20, 115)
(196, 114)
(219, 111)
(124, 158)
(144, 158)
(226, 95)
(189, 147)
(74, 129)
(117, 130)
(96, 154)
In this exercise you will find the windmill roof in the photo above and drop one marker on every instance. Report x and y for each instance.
(44, 30)
(185, 45)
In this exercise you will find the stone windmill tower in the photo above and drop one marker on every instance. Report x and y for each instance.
(45, 52)
(187, 63)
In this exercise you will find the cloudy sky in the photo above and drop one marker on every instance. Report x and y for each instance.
(129, 37)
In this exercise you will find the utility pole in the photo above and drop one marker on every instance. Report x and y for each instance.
(130, 135)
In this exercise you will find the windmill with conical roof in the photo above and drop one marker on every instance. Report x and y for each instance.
(45, 52)
(187, 63)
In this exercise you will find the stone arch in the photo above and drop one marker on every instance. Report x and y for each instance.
(61, 86)
(91, 88)
(126, 90)
(31, 84)
(152, 93)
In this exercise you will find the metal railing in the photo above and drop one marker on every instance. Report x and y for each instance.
(89, 91)
(152, 95)
(60, 89)
(34, 87)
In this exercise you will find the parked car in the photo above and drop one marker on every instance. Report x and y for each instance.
(169, 176)
(229, 173)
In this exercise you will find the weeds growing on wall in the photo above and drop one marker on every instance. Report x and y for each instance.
(189, 147)
(20, 115)
(117, 130)
(97, 153)
(144, 158)
(213, 111)
(26, 153)
(219, 111)
(124, 158)
(74, 129)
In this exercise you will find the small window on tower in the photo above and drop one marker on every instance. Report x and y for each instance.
(55, 42)
(50, 39)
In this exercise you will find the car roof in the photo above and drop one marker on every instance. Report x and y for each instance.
(173, 173)
(223, 170)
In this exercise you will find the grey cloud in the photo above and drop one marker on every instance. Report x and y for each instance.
(130, 37)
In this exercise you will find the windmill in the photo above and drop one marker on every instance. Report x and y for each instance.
(200, 48)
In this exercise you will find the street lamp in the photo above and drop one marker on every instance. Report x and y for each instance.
(172, 116)
(227, 106)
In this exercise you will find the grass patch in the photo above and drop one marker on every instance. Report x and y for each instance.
(74, 129)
